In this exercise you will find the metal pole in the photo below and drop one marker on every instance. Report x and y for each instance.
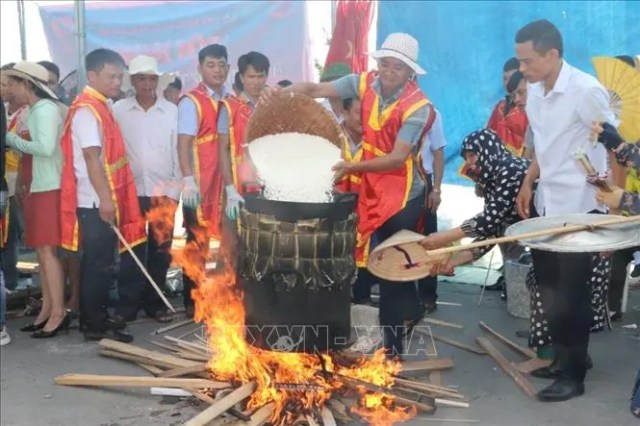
(81, 38)
(23, 35)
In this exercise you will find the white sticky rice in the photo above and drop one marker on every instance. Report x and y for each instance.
(295, 166)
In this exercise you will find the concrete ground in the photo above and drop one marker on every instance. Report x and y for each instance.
(29, 396)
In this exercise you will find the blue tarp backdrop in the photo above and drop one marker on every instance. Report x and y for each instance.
(173, 32)
(463, 45)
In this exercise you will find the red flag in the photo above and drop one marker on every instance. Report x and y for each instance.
(349, 43)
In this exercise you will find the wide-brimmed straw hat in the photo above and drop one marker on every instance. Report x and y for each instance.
(33, 72)
(403, 47)
(402, 258)
(148, 65)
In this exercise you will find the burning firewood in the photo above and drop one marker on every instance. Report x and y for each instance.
(222, 405)
(135, 381)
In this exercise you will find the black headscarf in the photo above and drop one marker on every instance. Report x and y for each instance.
(491, 152)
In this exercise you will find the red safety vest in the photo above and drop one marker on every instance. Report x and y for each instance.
(205, 156)
(382, 195)
(129, 219)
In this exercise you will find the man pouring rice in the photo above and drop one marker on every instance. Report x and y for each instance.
(394, 114)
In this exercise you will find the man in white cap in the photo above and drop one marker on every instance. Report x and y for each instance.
(149, 125)
(394, 116)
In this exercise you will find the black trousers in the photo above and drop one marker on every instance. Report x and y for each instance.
(398, 300)
(563, 283)
(193, 228)
(98, 245)
(135, 292)
(428, 287)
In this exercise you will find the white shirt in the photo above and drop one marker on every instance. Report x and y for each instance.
(85, 133)
(151, 141)
(434, 141)
(561, 123)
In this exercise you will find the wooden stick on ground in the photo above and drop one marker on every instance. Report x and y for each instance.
(129, 349)
(451, 342)
(327, 417)
(448, 403)
(507, 367)
(434, 321)
(124, 242)
(151, 368)
(136, 381)
(527, 367)
(222, 405)
(427, 365)
(136, 359)
(513, 345)
(184, 371)
(173, 326)
(207, 399)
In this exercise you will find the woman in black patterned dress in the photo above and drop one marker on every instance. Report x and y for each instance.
(488, 163)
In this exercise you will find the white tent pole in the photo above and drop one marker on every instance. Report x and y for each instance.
(81, 38)
(23, 36)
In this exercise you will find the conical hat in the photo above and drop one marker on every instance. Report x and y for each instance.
(402, 258)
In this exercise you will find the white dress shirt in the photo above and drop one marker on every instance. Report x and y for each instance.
(561, 123)
(85, 133)
(151, 140)
(434, 140)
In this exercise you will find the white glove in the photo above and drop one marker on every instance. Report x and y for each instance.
(190, 193)
(233, 202)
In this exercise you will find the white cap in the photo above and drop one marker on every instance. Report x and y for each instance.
(403, 47)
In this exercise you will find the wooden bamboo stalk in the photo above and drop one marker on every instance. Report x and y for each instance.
(427, 365)
(535, 234)
(222, 405)
(451, 342)
(136, 381)
(434, 321)
(507, 367)
(513, 345)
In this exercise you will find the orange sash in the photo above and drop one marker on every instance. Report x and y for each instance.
(130, 221)
(382, 195)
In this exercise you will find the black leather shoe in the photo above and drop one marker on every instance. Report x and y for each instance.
(561, 390)
(553, 370)
(499, 285)
(116, 322)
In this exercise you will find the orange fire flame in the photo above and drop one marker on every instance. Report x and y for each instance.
(220, 307)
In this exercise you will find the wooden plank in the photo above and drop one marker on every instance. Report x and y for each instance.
(151, 368)
(135, 359)
(136, 381)
(434, 321)
(428, 388)
(207, 399)
(456, 344)
(513, 345)
(427, 365)
(184, 371)
(152, 355)
(195, 347)
(173, 326)
(327, 417)
(507, 367)
(261, 416)
(222, 405)
(527, 367)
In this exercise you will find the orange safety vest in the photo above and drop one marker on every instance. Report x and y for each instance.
(239, 114)
(382, 195)
(129, 219)
(205, 158)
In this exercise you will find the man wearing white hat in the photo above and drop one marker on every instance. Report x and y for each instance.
(394, 116)
(149, 124)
